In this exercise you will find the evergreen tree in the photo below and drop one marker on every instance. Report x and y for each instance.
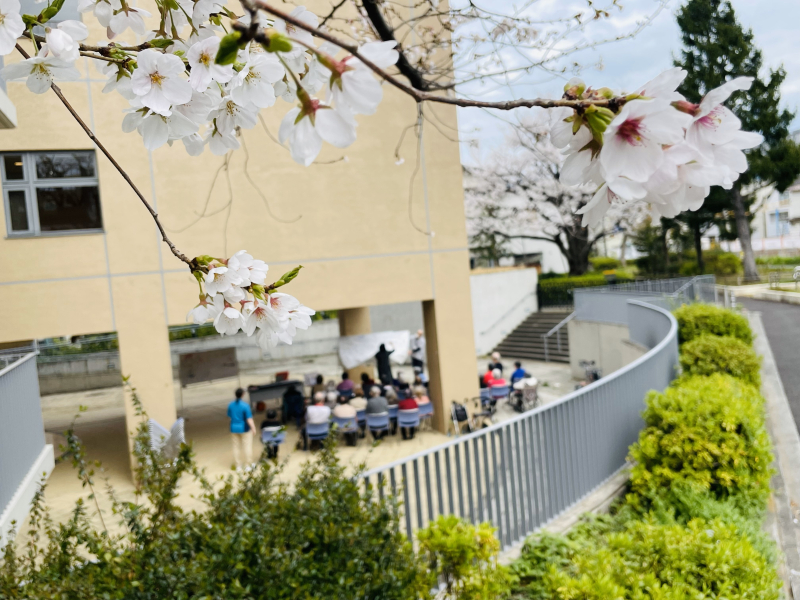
(716, 49)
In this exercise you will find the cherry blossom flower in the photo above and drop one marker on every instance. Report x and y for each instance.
(664, 86)
(158, 81)
(221, 279)
(103, 9)
(633, 141)
(231, 115)
(63, 39)
(207, 309)
(300, 318)
(301, 13)
(201, 58)
(260, 315)
(11, 25)
(353, 83)
(220, 141)
(229, 321)
(253, 84)
(194, 144)
(127, 17)
(308, 125)
(156, 130)
(41, 70)
(713, 123)
(616, 190)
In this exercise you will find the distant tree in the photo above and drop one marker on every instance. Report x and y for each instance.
(716, 49)
(518, 196)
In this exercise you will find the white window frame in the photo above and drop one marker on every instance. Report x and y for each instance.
(31, 183)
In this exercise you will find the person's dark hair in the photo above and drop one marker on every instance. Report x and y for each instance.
(342, 400)
(271, 414)
(292, 389)
(345, 376)
(320, 379)
(518, 364)
(490, 367)
(383, 348)
(239, 393)
(364, 377)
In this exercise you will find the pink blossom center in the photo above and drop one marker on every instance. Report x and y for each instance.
(712, 120)
(631, 131)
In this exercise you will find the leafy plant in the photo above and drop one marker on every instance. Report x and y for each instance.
(604, 263)
(644, 559)
(255, 537)
(464, 558)
(697, 319)
(709, 354)
(707, 432)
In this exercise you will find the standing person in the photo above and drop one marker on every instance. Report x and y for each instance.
(242, 428)
(384, 368)
(417, 350)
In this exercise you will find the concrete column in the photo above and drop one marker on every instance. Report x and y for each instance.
(356, 321)
(144, 349)
(452, 367)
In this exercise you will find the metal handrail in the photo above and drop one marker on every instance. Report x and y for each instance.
(524, 472)
(557, 331)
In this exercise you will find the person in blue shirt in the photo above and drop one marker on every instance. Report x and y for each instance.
(242, 428)
(519, 373)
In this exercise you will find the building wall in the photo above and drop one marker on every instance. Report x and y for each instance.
(501, 301)
(601, 342)
(350, 229)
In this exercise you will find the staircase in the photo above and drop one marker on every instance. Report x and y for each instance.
(526, 340)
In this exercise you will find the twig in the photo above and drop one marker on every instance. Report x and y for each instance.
(418, 95)
(178, 254)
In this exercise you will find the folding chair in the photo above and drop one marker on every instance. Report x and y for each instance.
(426, 413)
(408, 418)
(272, 437)
(317, 431)
(377, 423)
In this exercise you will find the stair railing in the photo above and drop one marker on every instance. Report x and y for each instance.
(557, 331)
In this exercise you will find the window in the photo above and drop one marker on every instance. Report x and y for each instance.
(49, 193)
(778, 224)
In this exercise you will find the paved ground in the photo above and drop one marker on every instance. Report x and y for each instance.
(782, 324)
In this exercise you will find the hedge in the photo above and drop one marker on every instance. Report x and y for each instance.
(709, 354)
(604, 263)
(698, 319)
(691, 523)
(704, 431)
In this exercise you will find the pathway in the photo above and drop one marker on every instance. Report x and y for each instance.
(782, 324)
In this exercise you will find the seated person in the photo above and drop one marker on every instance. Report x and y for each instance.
(496, 364)
(376, 405)
(488, 377)
(346, 384)
(316, 414)
(331, 399)
(343, 410)
(519, 373)
(400, 383)
(319, 386)
(358, 401)
(392, 400)
(407, 404)
(294, 405)
(272, 420)
(420, 395)
(497, 378)
(420, 375)
(366, 383)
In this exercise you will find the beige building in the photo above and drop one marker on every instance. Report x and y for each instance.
(81, 254)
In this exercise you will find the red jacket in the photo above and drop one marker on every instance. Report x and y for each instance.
(408, 404)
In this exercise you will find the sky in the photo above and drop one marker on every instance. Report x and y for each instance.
(630, 63)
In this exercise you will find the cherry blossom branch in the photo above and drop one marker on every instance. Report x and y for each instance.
(419, 96)
(178, 254)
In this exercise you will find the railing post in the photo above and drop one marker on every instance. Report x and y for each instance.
(546, 355)
(558, 339)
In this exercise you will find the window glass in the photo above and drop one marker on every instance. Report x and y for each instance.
(13, 165)
(64, 164)
(18, 210)
(65, 208)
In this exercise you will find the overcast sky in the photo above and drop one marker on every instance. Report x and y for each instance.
(630, 63)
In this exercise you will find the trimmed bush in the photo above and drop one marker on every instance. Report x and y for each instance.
(642, 560)
(698, 319)
(604, 263)
(706, 432)
(709, 354)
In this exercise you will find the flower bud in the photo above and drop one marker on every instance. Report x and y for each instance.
(276, 41)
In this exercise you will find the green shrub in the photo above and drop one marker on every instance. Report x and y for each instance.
(257, 537)
(646, 560)
(464, 558)
(715, 262)
(698, 319)
(604, 263)
(778, 260)
(706, 432)
(709, 354)
(581, 281)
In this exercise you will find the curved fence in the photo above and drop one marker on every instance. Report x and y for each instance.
(522, 473)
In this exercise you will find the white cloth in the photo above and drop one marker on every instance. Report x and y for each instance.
(316, 415)
(418, 347)
(355, 350)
